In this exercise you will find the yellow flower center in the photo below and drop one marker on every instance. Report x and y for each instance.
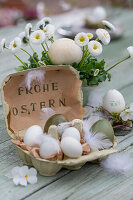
(81, 39)
(44, 30)
(105, 35)
(14, 45)
(127, 113)
(95, 47)
(26, 176)
(90, 35)
(37, 37)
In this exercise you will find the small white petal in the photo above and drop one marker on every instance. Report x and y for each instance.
(40, 24)
(130, 51)
(15, 45)
(32, 179)
(23, 181)
(16, 180)
(32, 171)
(47, 20)
(50, 29)
(23, 170)
(2, 44)
(131, 106)
(103, 35)
(15, 171)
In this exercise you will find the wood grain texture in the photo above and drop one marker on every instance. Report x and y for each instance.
(90, 182)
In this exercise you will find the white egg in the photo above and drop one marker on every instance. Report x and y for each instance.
(113, 101)
(71, 147)
(32, 135)
(65, 51)
(72, 132)
(62, 126)
(49, 147)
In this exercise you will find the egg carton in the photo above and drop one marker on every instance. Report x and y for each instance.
(46, 167)
(50, 168)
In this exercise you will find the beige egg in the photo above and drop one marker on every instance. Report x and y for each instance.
(65, 51)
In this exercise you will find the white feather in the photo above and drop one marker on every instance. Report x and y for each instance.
(45, 114)
(97, 140)
(95, 98)
(118, 163)
(37, 76)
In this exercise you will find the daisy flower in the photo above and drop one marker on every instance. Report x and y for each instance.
(28, 28)
(47, 20)
(103, 35)
(130, 51)
(37, 37)
(15, 45)
(81, 39)
(24, 39)
(23, 175)
(2, 44)
(49, 30)
(96, 72)
(95, 48)
(127, 114)
(90, 35)
(108, 25)
(40, 25)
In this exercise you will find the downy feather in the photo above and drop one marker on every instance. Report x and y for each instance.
(118, 163)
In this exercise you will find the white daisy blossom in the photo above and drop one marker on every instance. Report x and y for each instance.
(81, 39)
(28, 28)
(90, 35)
(109, 25)
(127, 114)
(23, 38)
(103, 35)
(130, 51)
(23, 175)
(15, 45)
(47, 20)
(95, 48)
(40, 24)
(2, 44)
(37, 37)
(49, 30)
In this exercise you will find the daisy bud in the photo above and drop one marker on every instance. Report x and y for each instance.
(130, 51)
(28, 28)
(108, 25)
(2, 44)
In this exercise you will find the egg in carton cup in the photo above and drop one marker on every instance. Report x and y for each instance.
(57, 91)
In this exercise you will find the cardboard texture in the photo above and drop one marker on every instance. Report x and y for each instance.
(61, 91)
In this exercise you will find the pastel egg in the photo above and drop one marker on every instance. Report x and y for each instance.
(113, 101)
(49, 147)
(72, 132)
(32, 135)
(65, 51)
(71, 147)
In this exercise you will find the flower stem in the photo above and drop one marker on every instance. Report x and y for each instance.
(46, 53)
(85, 55)
(21, 61)
(29, 55)
(30, 46)
(117, 64)
(46, 45)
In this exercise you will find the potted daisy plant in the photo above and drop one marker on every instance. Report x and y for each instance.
(81, 53)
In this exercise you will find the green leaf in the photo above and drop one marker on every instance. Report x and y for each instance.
(19, 68)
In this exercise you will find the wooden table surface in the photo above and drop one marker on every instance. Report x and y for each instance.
(91, 182)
